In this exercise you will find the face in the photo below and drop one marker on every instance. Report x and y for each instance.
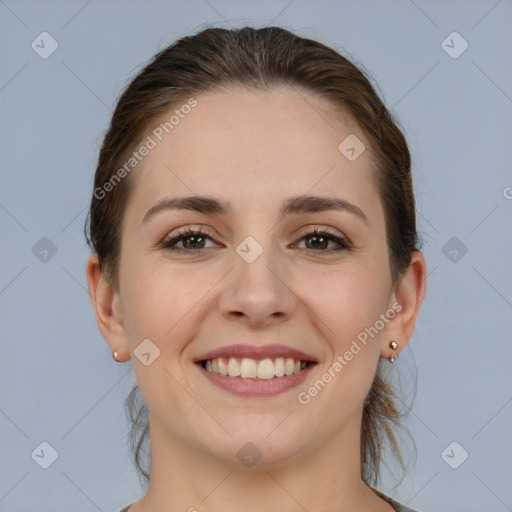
(244, 278)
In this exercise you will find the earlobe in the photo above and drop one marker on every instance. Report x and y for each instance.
(107, 310)
(409, 293)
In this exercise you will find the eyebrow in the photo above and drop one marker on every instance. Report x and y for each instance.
(296, 205)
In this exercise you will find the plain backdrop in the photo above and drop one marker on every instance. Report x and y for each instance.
(444, 69)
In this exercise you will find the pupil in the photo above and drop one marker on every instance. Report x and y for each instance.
(193, 237)
(323, 243)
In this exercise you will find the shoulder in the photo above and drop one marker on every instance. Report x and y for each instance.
(397, 506)
(125, 509)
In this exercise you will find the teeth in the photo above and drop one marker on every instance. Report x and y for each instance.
(279, 367)
(248, 368)
(233, 367)
(223, 369)
(289, 365)
(266, 369)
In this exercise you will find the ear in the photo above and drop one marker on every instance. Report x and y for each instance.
(409, 294)
(107, 309)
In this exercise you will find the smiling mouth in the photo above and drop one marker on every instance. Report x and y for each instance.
(257, 369)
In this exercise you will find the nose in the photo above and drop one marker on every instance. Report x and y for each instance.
(257, 293)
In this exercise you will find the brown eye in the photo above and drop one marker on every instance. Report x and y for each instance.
(193, 242)
(317, 242)
(190, 239)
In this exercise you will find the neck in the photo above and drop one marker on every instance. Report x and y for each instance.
(325, 478)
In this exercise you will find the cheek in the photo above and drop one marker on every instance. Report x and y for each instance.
(160, 305)
(345, 305)
(347, 299)
(161, 302)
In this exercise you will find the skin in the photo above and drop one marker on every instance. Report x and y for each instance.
(254, 150)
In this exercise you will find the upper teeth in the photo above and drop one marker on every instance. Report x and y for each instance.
(248, 368)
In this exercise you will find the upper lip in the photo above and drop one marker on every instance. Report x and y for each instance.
(255, 352)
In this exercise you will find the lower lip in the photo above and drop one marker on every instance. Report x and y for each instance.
(257, 387)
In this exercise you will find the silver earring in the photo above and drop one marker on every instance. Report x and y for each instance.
(393, 345)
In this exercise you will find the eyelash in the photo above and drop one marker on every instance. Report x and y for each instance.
(344, 244)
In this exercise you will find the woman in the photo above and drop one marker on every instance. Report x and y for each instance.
(256, 256)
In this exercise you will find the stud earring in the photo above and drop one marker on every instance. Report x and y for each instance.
(393, 345)
(115, 356)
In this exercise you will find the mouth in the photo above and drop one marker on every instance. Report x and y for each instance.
(252, 371)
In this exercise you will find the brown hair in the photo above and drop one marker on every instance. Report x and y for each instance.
(218, 59)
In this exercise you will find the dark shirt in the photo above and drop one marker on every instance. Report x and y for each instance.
(397, 506)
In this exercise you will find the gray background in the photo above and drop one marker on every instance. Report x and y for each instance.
(58, 382)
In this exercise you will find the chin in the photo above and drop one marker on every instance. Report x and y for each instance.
(262, 443)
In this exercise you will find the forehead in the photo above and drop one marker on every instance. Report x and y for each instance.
(254, 145)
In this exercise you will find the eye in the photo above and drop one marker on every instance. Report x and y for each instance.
(318, 239)
(192, 240)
